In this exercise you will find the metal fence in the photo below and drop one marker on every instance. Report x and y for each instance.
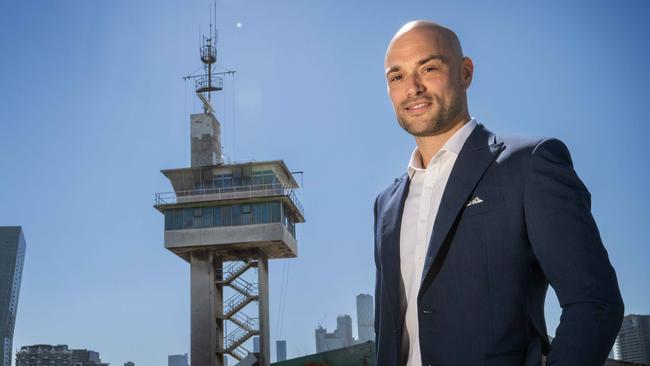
(238, 192)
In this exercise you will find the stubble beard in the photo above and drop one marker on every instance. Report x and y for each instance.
(441, 121)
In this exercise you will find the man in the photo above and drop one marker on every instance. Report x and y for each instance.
(468, 240)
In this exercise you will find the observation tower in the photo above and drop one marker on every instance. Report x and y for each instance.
(227, 220)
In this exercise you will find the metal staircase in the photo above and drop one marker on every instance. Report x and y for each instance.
(245, 293)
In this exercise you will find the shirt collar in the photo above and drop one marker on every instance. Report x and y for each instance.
(453, 145)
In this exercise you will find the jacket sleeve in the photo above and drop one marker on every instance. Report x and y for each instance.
(567, 245)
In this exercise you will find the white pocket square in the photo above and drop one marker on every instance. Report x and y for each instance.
(474, 201)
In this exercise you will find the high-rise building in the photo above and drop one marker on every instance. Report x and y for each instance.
(633, 340)
(59, 355)
(177, 360)
(44, 354)
(129, 363)
(12, 257)
(280, 350)
(84, 357)
(365, 318)
(344, 329)
(327, 341)
(256, 344)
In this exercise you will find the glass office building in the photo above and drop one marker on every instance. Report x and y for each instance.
(12, 257)
(633, 341)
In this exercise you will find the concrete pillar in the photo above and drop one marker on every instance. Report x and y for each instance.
(206, 334)
(217, 263)
(263, 283)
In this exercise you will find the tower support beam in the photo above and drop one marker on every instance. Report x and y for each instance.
(206, 302)
(263, 281)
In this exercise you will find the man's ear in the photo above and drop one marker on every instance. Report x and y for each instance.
(466, 71)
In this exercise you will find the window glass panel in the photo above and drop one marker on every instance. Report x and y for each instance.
(197, 221)
(246, 217)
(227, 215)
(236, 214)
(268, 179)
(188, 218)
(217, 220)
(245, 209)
(169, 220)
(207, 216)
(256, 212)
(266, 212)
(178, 219)
(275, 212)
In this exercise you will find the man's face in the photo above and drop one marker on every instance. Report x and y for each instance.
(424, 82)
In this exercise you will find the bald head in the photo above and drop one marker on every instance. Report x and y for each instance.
(424, 28)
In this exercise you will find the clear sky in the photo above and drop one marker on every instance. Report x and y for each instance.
(93, 107)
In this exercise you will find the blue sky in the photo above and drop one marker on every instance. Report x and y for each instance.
(93, 106)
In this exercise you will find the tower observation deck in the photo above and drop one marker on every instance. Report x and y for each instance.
(227, 220)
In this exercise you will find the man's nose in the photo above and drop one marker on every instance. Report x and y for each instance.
(415, 86)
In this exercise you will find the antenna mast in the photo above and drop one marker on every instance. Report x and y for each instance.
(209, 81)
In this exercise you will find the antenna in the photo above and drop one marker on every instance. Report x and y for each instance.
(209, 81)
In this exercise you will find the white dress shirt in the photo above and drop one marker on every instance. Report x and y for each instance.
(420, 210)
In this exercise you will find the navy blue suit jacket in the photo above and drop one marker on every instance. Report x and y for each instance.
(488, 265)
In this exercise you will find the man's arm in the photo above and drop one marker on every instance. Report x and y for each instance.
(566, 242)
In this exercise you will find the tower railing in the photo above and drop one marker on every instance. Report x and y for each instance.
(236, 338)
(236, 302)
(223, 193)
(239, 353)
(234, 269)
(244, 321)
(208, 83)
(244, 287)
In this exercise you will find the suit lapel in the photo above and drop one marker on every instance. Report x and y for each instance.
(391, 227)
(477, 154)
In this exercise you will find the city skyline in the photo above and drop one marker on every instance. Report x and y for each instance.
(59, 354)
(114, 112)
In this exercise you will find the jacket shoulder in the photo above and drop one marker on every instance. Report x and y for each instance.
(389, 191)
(522, 149)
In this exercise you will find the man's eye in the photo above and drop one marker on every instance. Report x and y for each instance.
(430, 68)
(396, 78)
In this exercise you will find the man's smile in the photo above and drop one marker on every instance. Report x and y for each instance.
(417, 107)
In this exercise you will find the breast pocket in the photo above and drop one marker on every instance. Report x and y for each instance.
(482, 202)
